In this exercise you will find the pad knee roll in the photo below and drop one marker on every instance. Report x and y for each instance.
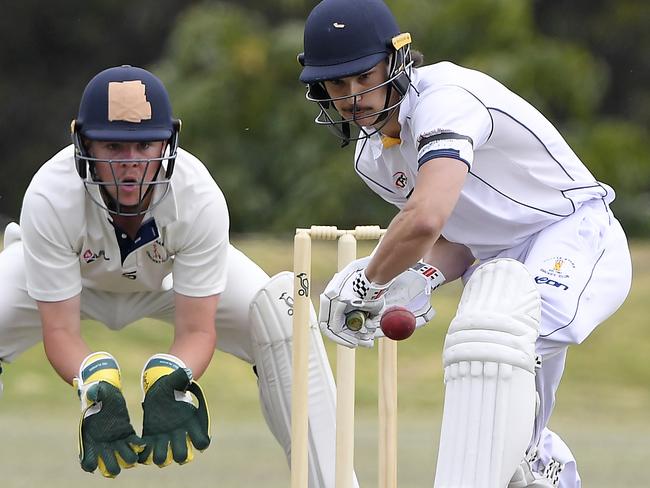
(489, 362)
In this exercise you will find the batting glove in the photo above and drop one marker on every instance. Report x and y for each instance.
(350, 291)
(172, 422)
(106, 438)
(412, 290)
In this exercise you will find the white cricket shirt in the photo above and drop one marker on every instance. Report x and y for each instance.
(522, 176)
(70, 242)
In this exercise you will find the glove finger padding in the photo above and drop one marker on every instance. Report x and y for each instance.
(172, 423)
(412, 289)
(106, 438)
(108, 434)
(347, 291)
(180, 447)
(199, 430)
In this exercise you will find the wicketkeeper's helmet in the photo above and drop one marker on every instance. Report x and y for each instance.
(348, 37)
(125, 104)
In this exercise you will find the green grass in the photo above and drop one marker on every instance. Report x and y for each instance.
(602, 412)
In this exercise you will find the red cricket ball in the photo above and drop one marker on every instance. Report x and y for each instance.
(397, 323)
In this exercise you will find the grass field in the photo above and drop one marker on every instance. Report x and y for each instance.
(603, 410)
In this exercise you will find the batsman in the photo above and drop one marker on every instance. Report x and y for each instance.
(487, 190)
(124, 224)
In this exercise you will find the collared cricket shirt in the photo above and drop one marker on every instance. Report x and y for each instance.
(522, 176)
(71, 243)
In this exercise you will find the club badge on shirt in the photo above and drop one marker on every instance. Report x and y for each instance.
(558, 267)
(400, 180)
(157, 252)
(90, 256)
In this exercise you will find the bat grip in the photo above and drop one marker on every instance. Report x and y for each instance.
(355, 319)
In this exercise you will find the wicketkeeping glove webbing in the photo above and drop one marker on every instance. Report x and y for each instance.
(106, 438)
(172, 423)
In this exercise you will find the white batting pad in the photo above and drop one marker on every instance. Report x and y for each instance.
(489, 361)
(271, 325)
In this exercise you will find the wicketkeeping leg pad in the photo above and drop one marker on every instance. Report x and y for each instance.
(489, 362)
(272, 328)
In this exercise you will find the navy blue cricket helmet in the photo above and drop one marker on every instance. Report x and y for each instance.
(345, 38)
(125, 104)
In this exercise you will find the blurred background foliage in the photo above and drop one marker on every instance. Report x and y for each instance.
(231, 70)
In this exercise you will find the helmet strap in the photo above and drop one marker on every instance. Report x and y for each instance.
(346, 132)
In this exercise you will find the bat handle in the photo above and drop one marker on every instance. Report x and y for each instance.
(355, 319)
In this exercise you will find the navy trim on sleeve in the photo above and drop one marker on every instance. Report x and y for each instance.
(442, 153)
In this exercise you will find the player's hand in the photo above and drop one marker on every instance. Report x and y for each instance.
(349, 291)
(106, 438)
(412, 290)
(172, 423)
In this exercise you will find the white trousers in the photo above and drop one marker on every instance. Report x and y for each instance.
(583, 270)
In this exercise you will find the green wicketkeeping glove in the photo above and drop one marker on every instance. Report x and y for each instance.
(106, 438)
(172, 423)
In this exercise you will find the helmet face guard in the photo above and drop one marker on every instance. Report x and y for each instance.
(151, 191)
(125, 104)
(354, 128)
(346, 38)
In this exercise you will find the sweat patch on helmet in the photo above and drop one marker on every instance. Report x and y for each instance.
(127, 102)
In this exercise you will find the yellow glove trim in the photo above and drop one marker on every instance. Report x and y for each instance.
(102, 468)
(99, 366)
(153, 373)
(170, 457)
(156, 367)
(149, 459)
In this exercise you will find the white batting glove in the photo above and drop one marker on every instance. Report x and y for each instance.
(412, 290)
(350, 290)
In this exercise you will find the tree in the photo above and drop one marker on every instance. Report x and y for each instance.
(51, 50)
(233, 77)
(232, 72)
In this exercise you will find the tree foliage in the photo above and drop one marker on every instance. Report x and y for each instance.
(233, 77)
(234, 80)
(50, 50)
(231, 70)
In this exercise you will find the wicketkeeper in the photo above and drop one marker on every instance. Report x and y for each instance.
(477, 174)
(123, 224)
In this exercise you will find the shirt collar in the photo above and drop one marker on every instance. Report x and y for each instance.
(380, 142)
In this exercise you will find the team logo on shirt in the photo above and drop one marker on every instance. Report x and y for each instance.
(157, 252)
(558, 267)
(90, 256)
(543, 280)
(400, 180)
